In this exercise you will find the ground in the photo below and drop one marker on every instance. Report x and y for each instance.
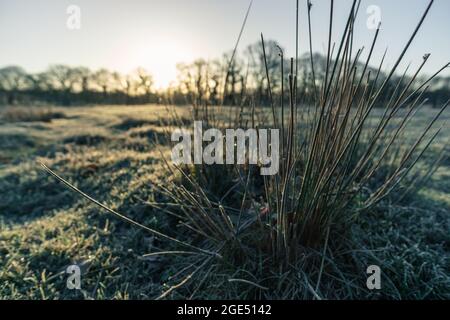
(109, 153)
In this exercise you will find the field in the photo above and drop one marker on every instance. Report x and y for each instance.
(109, 153)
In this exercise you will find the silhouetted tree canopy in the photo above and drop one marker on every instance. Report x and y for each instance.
(237, 81)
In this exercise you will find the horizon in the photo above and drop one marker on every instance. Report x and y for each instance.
(156, 35)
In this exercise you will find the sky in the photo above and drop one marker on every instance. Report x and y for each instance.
(156, 34)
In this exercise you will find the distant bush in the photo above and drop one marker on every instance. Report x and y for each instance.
(23, 114)
(85, 139)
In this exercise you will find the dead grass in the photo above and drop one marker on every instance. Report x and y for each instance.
(30, 114)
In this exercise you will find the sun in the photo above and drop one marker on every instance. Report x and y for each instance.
(160, 58)
(158, 53)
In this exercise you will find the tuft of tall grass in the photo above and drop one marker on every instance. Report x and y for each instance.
(331, 151)
(338, 160)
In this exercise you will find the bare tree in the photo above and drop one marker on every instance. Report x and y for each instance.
(126, 84)
(103, 80)
(145, 82)
(67, 80)
(254, 54)
(12, 80)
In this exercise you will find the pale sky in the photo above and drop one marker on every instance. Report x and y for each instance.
(156, 34)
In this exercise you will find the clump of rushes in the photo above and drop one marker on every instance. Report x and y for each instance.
(289, 235)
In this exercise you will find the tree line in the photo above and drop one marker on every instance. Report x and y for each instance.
(230, 80)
